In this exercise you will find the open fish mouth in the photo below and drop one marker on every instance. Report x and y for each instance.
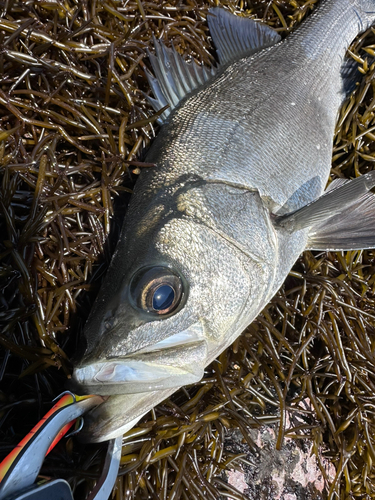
(175, 361)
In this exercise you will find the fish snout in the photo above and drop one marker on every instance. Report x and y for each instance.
(172, 362)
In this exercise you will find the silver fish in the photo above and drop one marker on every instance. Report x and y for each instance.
(211, 233)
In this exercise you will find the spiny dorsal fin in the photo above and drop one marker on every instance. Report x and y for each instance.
(175, 78)
(235, 37)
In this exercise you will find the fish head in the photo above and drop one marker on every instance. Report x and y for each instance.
(181, 286)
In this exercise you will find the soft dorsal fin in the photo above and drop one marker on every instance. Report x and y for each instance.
(175, 78)
(235, 37)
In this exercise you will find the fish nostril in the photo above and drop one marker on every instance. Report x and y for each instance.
(110, 323)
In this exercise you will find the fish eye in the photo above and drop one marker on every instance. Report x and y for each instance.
(157, 290)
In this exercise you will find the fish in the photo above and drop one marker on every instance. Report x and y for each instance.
(237, 193)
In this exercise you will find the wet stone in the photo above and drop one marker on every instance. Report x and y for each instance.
(291, 473)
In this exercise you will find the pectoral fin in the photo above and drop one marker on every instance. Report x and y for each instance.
(342, 219)
(353, 229)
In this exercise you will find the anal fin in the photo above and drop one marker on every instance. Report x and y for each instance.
(350, 75)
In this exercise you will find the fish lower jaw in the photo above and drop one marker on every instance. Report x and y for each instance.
(128, 376)
(172, 362)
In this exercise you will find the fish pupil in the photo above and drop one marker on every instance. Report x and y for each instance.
(163, 298)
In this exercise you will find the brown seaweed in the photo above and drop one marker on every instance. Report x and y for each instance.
(74, 125)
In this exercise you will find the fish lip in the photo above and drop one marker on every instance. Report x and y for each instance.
(192, 334)
(151, 368)
(142, 377)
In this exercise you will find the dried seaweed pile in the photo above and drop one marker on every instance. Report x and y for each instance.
(73, 127)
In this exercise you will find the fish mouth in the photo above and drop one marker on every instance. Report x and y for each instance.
(175, 361)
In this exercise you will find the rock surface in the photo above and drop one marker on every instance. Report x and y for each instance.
(291, 473)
